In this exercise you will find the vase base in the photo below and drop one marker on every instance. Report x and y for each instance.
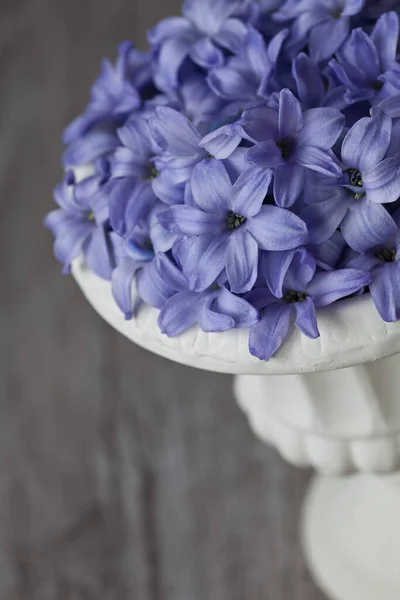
(351, 536)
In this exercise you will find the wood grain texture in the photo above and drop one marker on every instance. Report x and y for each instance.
(122, 476)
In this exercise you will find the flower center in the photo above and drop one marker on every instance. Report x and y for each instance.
(152, 172)
(386, 256)
(352, 180)
(355, 178)
(336, 14)
(292, 297)
(141, 251)
(286, 147)
(91, 217)
(234, 220)
(148, 245)
(377, 86)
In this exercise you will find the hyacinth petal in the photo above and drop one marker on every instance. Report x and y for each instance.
(188, 196)
(391, 106)
(161, 239)
(205, 260)
(130, 202)
(306, 318)
(328, 254)
(352, 7)
(199, 101)
(243, 314)
(206, 54)
(122, 280)
(169, 28)
(308, 80)
(98, 254)
(236, 164)
(321, 127)
(210, 15)
(289, 182)
(367, 142)
(326, 288)
(321, 187)
(212, 321)
(211, 186)
(231, 35)
(249, 191)
(394, 146)
(274, 266)
(255, 51)
(168, 187)
(301, 270)
(327, 37)
(68, 245)
(179, 313)
(93, 145)
(301, 28)
(322, 219)
(341, 73)
(171, 56)
(78, 127)
(385, 291)
(183, 254)
(222, 142)
(382, 184)
(260, 298)
(127, 164)
(291, 9)
(84, 190)
(265, 155)
(275, 46)
(173, 132)
(385, 38)
(367, 225)
(229, 84)
(170, 274)
(390, 82)
(260, 124)
(135, 135)
(151, 288)
(318, 160)
(65, 198)
(268, 335)
(277, 229)
(59, 221)
(290, 115)
(241, 261)
(120, 197)
(187, 220)
(362, 57)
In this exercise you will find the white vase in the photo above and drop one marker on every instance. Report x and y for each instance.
(332, 403)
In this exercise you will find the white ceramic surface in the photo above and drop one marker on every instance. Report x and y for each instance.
(336, 422)
(351, 534)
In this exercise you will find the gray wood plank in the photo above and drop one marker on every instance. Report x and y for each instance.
(122, 475)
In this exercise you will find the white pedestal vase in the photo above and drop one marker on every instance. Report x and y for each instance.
(331, 403)
(340, 422)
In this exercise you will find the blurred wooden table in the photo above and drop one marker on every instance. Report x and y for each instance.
(122, 475)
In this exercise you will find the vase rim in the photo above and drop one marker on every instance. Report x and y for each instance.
(352, 333)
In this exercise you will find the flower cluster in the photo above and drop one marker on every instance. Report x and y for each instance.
(246, 170)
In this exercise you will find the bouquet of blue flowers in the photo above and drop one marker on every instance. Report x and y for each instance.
(245, 171)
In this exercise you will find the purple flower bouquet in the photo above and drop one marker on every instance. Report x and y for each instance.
(245, 171)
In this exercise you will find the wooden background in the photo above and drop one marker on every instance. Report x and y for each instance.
(122, 476)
